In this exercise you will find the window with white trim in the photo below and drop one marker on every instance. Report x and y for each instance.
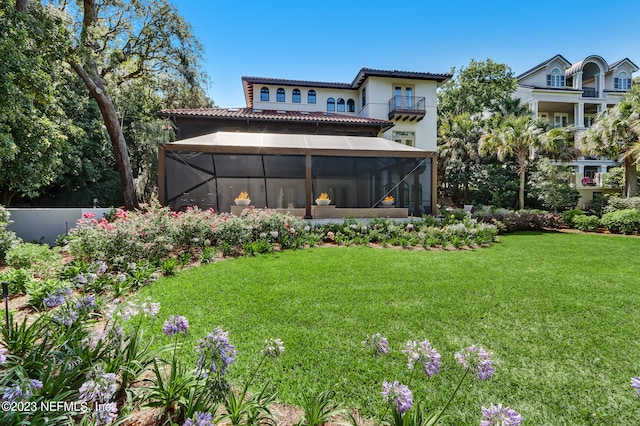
(622, 81)
(556, 78)
(331, 105)
(311, 97)
(280, 95)
(264, 94)
(295, 96)
(560, 119)
(405, 138)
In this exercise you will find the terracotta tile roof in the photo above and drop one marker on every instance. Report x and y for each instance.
(274, 115)
(301, 83)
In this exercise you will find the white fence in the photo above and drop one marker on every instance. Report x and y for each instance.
(45, 224)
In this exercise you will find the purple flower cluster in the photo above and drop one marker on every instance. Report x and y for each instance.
(273, 348)
(398, 395)
(22, 391)
(200, 419)
(175, 324)
(635, 383)
(423, 353)
(57, 298)
(500, 416)
(377, 343)
(86, 304)
(478, 360)
(3, 355)
(66, 317)
(105, 414)
(132, 309)
(216, 350)
(100, 387)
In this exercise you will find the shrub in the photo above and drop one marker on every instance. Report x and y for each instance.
(622, 203)
(38, 258)
(569, 216)
(625, 221)
(17, 279)
(586, 223)
(7, 238)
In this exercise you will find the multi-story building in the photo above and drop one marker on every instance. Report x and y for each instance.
(571, 94)
(380, 106)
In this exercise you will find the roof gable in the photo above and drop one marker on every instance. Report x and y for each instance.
(542, 65)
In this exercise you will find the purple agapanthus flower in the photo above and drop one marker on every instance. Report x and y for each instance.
(106, 413)
(377, 343)
(216, 350)
(3, 355)
(200, 419)
(100, 387)
(101, 267)
(398, 395)
(424, 354)
(273, 348)
(66, 318)
(86, 304)
(500, 416)
(635, 383)
(175, 324)
(478, 360)
(22, 391)
(57, 298)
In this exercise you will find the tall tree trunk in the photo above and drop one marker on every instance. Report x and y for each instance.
(22, 5)
(522, 173)
(630, 177)
(88, 72)
(94, 84)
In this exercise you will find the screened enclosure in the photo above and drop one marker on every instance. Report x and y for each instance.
(290, 171)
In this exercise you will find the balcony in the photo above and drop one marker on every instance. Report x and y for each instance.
(407, 108)
(589, 92)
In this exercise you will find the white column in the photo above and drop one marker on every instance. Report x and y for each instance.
(533, 106)
(577, 80)
(578, 114)
(602, 107)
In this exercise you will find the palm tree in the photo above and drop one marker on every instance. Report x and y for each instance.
(458, 138)
(519, 137)
(616, 134)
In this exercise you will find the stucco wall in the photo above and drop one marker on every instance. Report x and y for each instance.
(47, 224)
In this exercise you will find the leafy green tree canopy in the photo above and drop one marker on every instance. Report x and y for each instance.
(481, 86)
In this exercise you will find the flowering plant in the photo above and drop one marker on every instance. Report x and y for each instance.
(389, 198)
(243, 196)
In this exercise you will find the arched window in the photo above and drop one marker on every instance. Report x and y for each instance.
(311, 97)
(622, 82)
(556, 78)
(280, 95)
(295, 96)
(264, 94)
(331, 105)
(351, 105)
(340, 105)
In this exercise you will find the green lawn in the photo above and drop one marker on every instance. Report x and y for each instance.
(560, 312)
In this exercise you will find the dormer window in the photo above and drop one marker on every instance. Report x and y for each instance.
(280, 95)
(264, 94)
(622, 81)
(556, 78)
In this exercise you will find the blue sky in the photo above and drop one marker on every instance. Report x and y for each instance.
(330, 40)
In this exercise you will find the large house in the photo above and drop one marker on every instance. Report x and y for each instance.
(358, 141)
(571, 94)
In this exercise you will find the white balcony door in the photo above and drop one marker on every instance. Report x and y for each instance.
(560, 120)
